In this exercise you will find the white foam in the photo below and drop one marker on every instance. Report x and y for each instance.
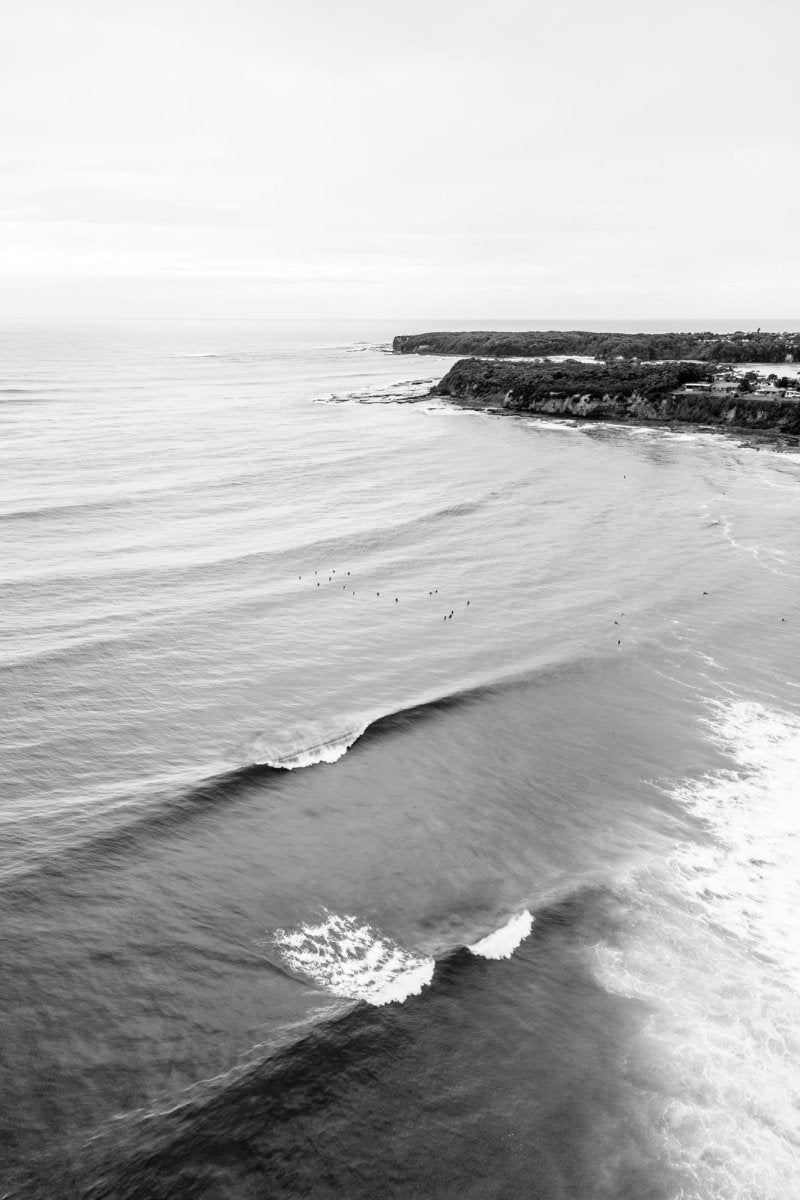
(351, 959)
(714, 952)
(567, 424)
(504, 941)
(754, 861)
(451, 410)
(324, 752)
(760, 553)
(709, 661)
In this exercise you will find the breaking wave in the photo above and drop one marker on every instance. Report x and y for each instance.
(112, 818)
(353, 960)
(311, 744)
(327, 751)
(503, 942)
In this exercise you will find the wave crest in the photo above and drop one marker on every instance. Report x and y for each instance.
(311, 743)
(502, 943)
(326, 751)
(353, 960)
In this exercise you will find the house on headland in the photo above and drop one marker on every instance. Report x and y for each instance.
(716, 387)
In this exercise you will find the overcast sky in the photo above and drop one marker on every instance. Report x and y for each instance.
(295, 158)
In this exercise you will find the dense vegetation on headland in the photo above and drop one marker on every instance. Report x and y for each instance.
(707, 347)
(529, 383)
(616, 391)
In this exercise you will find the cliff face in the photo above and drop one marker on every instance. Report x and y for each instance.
(706, 347)
(514, 387)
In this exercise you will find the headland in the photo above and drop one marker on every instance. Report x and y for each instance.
(739, 347)
(659, 387)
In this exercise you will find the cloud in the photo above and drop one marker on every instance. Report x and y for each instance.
(529, 152)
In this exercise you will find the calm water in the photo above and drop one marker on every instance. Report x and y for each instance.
(395, 801)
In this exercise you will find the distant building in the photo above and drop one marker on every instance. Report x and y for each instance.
(719, 387)
(769, 389)
(725, 387)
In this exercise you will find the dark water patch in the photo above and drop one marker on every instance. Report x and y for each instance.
(130, 828)
(138, 818)
(51, 512)
(404, 718)
(127, 822)
(507, 1079)
(520, 681)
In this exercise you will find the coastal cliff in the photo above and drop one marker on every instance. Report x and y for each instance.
(736, 347)
(613, 393)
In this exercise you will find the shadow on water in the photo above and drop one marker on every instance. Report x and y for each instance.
(502, 1079)
(134, 826)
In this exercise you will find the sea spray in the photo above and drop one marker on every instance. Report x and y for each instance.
(349, 958)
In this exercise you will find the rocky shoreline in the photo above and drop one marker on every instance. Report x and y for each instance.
(516, 388)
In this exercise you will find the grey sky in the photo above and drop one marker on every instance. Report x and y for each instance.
(519, 160)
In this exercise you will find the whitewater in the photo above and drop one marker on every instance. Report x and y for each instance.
(394, 800)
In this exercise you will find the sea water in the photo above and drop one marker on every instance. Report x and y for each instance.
(394, 800)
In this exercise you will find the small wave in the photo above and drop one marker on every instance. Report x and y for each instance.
(759, 553)
(708, 660)
(310, 745)
(47, 511)
(503, 942)
(303, 556)
(117, 815)
(353, 960)
(329, 751)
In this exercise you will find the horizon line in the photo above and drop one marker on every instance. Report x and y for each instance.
(381, 320)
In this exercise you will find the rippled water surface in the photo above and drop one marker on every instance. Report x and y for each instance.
(395, 800)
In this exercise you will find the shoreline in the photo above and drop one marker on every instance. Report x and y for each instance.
(642, 396)
(751, 439)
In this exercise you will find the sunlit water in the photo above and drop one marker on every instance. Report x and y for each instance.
(394, 800)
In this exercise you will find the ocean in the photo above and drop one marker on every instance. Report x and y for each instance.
(395, 800)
